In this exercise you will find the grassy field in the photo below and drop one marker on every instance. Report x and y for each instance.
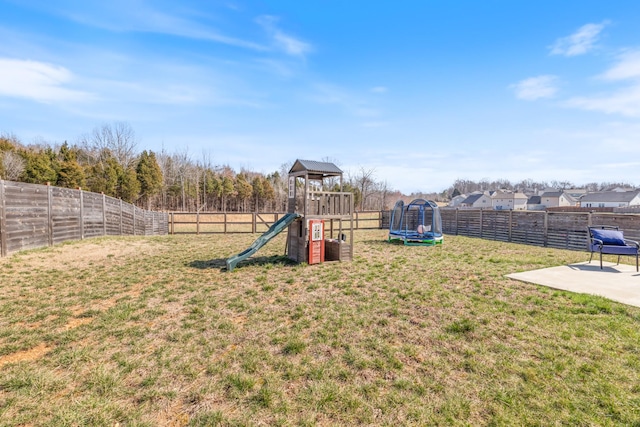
(150, 331)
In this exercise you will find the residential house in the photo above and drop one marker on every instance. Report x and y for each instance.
(457, 200)
(610, 199)
(554, 199)
(477, 201)
(508, 200)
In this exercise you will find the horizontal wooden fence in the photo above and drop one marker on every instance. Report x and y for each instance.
(562, 230)
(33, 216)
(233, 222)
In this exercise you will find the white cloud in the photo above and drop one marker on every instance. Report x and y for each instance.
(536, 88)
(289, 44)
(624, 100)
(120, 16)
(628, 67)
(379, 89)
(580, 42)
(39, 81)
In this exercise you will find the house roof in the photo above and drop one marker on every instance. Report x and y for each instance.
(315, 170)
(610, 196)
(534, 200)
(508, 195)
(570, 198)
(552, 194)
(472, 199)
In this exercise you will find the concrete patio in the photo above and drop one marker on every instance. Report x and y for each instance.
(619, 283)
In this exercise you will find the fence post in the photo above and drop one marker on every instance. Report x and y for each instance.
(81, 214)
(121, 217)
(546, 229)
(3, 221)
(50, 213)
(456, 220)
(197, 222)
(104, 214)
(481, 223)
(225, 223)
(510, 224)
(172, 219)
(134, 220)
(254, 219)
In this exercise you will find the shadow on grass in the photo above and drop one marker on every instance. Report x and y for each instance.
(221, 263)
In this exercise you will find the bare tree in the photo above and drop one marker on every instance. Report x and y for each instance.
(364, 181)
(182, 164)
(119, 138)
(12, 165)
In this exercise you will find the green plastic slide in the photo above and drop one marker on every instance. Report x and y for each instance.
(274, 230)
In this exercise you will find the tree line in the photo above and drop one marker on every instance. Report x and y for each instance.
(527, 186)
(106, 160)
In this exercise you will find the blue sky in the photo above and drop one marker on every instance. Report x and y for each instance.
(421, 92)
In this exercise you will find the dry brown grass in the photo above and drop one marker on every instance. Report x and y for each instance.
(150, 331)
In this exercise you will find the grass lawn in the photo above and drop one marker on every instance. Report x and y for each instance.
(149, 331)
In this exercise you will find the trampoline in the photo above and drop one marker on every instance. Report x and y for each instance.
(418, 223)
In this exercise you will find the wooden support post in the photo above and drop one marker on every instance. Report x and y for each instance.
(456, 219)
(510, 224)
(104, 214)
(589, 224)
(3, 221)
(481, 223)
(134, 220)
(81, 219)
(546, 229)
(50, 214)
(225, 223)
(197, 222)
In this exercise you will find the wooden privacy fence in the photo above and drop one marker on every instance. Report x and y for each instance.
(33, 216)
(562, 230)
(202, 223)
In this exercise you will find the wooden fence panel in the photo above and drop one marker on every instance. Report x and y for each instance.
(128, 226)
(139, 223)
(65, 214)
(113, 216)
(469, 223)
(567, 230)
(26, 216)
(3, 223)
(33, 216)
(629, 223)
(495, 225)
(449, 221)
(93, 215)
(562, 230)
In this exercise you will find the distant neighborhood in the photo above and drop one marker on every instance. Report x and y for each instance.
(548, 199)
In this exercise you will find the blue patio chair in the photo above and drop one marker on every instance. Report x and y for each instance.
(610, 241)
